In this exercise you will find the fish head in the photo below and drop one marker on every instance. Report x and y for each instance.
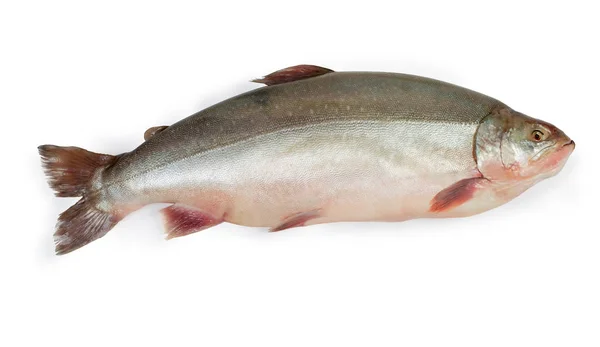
(512, 146)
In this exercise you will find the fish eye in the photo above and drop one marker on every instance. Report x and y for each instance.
(538, 135)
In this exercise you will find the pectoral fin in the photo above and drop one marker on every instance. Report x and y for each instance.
(456, 194)
(293, 73)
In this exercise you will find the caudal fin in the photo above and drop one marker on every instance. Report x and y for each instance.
(71, 169)
(70, 172)
(81, 224)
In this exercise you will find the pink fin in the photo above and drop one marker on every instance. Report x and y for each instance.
(297, 220)
(182, 220)
(455, 195)
(291, 74)
(153, 131)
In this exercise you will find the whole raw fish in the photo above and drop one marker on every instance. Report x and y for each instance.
(314, 146)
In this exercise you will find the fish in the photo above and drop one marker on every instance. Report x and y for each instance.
(313, 146)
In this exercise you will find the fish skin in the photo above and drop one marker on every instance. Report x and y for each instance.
(354, 146)
(338, 97)
(368, 95)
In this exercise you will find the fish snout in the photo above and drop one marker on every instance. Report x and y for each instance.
(570, 143)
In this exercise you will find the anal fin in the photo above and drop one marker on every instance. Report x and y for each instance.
(456, 194)
(182, 220)
(297, 220)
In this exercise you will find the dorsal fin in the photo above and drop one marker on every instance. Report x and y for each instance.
(293, 73)
(153, 131)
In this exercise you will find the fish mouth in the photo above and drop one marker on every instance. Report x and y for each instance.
(559, 156)
(569, 144)
(550, 148)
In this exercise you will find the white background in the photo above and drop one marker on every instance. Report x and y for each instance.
(98, 75)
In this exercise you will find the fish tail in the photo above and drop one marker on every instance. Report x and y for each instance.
(81, 224)
(71, 172)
